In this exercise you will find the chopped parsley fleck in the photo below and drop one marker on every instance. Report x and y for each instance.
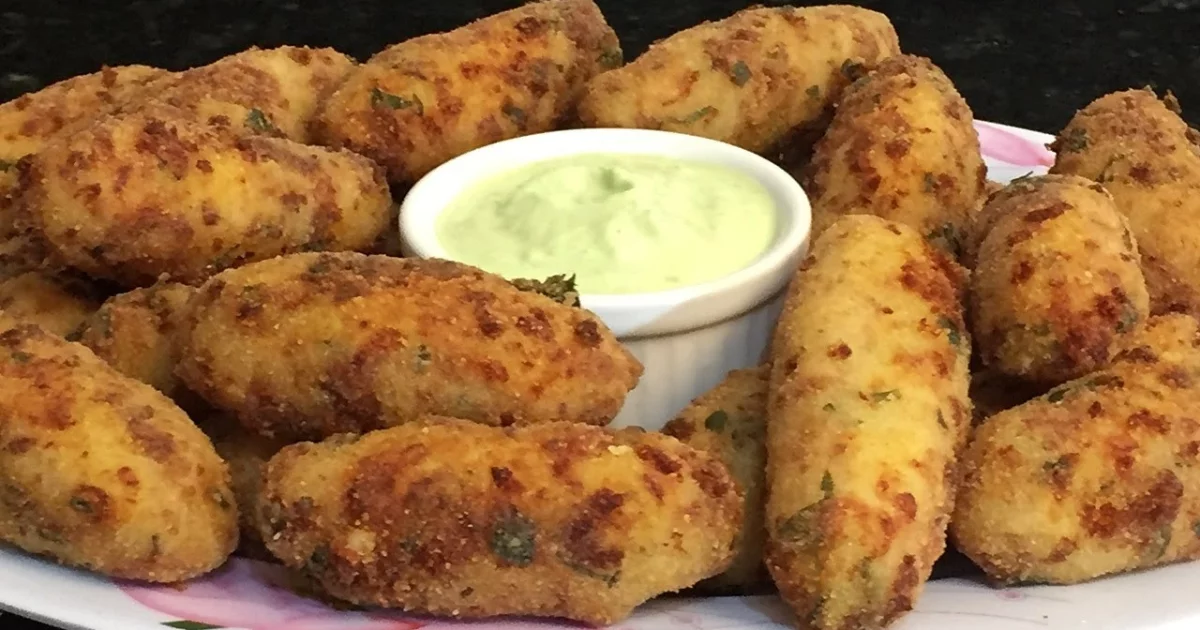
(514, 538)
(740, 73)
(696, 115)
(716, 420)
(379, 98)
(258, 121)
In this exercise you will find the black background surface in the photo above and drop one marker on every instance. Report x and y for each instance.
(1030, 64)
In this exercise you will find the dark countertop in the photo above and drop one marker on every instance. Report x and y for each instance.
(1022, 63)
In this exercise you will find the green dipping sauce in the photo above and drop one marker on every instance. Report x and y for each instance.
(620, 223)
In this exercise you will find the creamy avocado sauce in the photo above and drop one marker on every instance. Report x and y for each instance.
(620, 223)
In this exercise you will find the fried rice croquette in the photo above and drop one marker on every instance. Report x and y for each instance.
(310, 345)
(58, 303)
(273, 92)
(103, 472)
(867, 411)
(424, 101)
(1103, 471)
(1056, 280)
(749, 79)
(29, 122)
(729, 422)
(901, 146)
(149, 196)
(138, 333)
(559, 519)
(1139, 149)
(247, 455)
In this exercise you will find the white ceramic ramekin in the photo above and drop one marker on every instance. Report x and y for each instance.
(687, 338)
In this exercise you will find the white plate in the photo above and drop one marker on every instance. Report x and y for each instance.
(249, 595)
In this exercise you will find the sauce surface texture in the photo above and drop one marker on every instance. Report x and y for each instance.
(621, 223)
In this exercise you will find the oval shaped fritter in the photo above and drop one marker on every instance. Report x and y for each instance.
(867, 412)
(749, 79)
(1056, 280)
(449, 517)
(901, 146)
(272, 92)
(730, 422)
(138, 333)
(1141, 150)
(1099, 476)
(150, 194)
(309, 345)
(424, 101)
(102, 472)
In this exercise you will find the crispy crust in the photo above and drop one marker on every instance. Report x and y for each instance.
(449, 517)
(749, 79)
(867, 411)
(372, 341)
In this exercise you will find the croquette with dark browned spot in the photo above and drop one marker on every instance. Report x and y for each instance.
(101, 471)
(309, 345)
(1057, 279)
(453, 518)
(752, 79)
(421, 102)
(729, 421)
(862, 440)
(138, 333)
(1105, 469)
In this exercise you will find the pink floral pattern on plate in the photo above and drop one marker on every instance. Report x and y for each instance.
(999, 142)
(251, 595)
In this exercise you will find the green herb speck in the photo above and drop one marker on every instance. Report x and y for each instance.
(800, 527)
(5, 165)
(20, 356)
(948, 238)
(715, 421)
(1128, 319)
(1057, 394)
(610, 579)
(953, 335)
(696, 115)
(560, 288)
(813, 92)
(515, 114)
(928, 183)
(80, 504)
(740, 73)
(852, 70)
(258, 121)
(1074, 141)
(827, 484)
(829, 407)
(890, 394)
(1196, 528)
(610, 59)
(941, 420)
(1157, 546)
(391, 101)
(1055, 466)
(423, 359)
(514, 538)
